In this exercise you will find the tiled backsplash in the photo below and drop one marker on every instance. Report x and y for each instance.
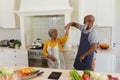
(41, 25)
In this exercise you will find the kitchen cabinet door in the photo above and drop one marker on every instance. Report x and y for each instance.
(87, 7)
(103, 11)
(105, 62)
(7, 17)
(21, 58)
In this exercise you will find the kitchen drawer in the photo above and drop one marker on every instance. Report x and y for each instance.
(12, 57)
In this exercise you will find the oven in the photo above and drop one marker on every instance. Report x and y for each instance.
(36, 58)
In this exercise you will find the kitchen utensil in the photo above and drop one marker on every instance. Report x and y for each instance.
(37, 44)
(37, 73)
(4, 43)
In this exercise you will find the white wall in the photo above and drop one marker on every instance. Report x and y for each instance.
(75, 17)
(75, 14)
(74, 34)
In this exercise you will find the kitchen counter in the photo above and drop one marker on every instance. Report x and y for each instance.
(65, 74)
(4, 48)
(109, 50)
(73, 49)
(101, 51)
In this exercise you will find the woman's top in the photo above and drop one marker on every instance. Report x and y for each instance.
(50, 43)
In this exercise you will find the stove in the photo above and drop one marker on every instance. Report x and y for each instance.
(36, 58)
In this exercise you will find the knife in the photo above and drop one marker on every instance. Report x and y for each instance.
(32, 76)
(37, 71)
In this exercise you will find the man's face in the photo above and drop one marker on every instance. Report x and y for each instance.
(89, 21)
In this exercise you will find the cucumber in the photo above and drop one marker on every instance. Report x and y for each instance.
(75, 75)
(78, 75)
(72, 75)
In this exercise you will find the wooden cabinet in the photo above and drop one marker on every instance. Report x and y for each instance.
(7, 16)
(105, 62)
(14, 58)
(103, 10)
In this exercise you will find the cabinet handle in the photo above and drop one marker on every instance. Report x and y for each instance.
(15, 56)
(74, 53)
(15, 64)
(1, 50)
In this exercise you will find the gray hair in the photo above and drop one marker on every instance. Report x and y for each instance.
(51, 31)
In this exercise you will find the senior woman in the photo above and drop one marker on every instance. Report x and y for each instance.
(53, 47)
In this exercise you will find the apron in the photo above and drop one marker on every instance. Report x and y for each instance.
(83, 47)
(55, 51)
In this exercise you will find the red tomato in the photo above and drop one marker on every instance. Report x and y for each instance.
(86, 77)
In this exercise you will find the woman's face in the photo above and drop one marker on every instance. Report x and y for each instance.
(54, 34)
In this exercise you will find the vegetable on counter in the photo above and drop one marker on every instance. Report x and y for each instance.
(110, 77)
(6, 73)
(86, 75)
(25, 71)
(87, 72)
(75, 75)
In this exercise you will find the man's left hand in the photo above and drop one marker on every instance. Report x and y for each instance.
(81, 58)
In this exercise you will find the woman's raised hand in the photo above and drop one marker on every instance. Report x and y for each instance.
(68, 25)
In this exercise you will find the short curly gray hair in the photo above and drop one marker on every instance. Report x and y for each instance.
(51, 31)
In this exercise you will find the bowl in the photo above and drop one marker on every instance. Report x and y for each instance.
(104, 46)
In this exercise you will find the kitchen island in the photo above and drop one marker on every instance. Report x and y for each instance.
(47, 71)
(65, 74)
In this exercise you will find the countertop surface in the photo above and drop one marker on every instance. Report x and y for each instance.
(65, 74)
(7, 48)
(73, 49)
